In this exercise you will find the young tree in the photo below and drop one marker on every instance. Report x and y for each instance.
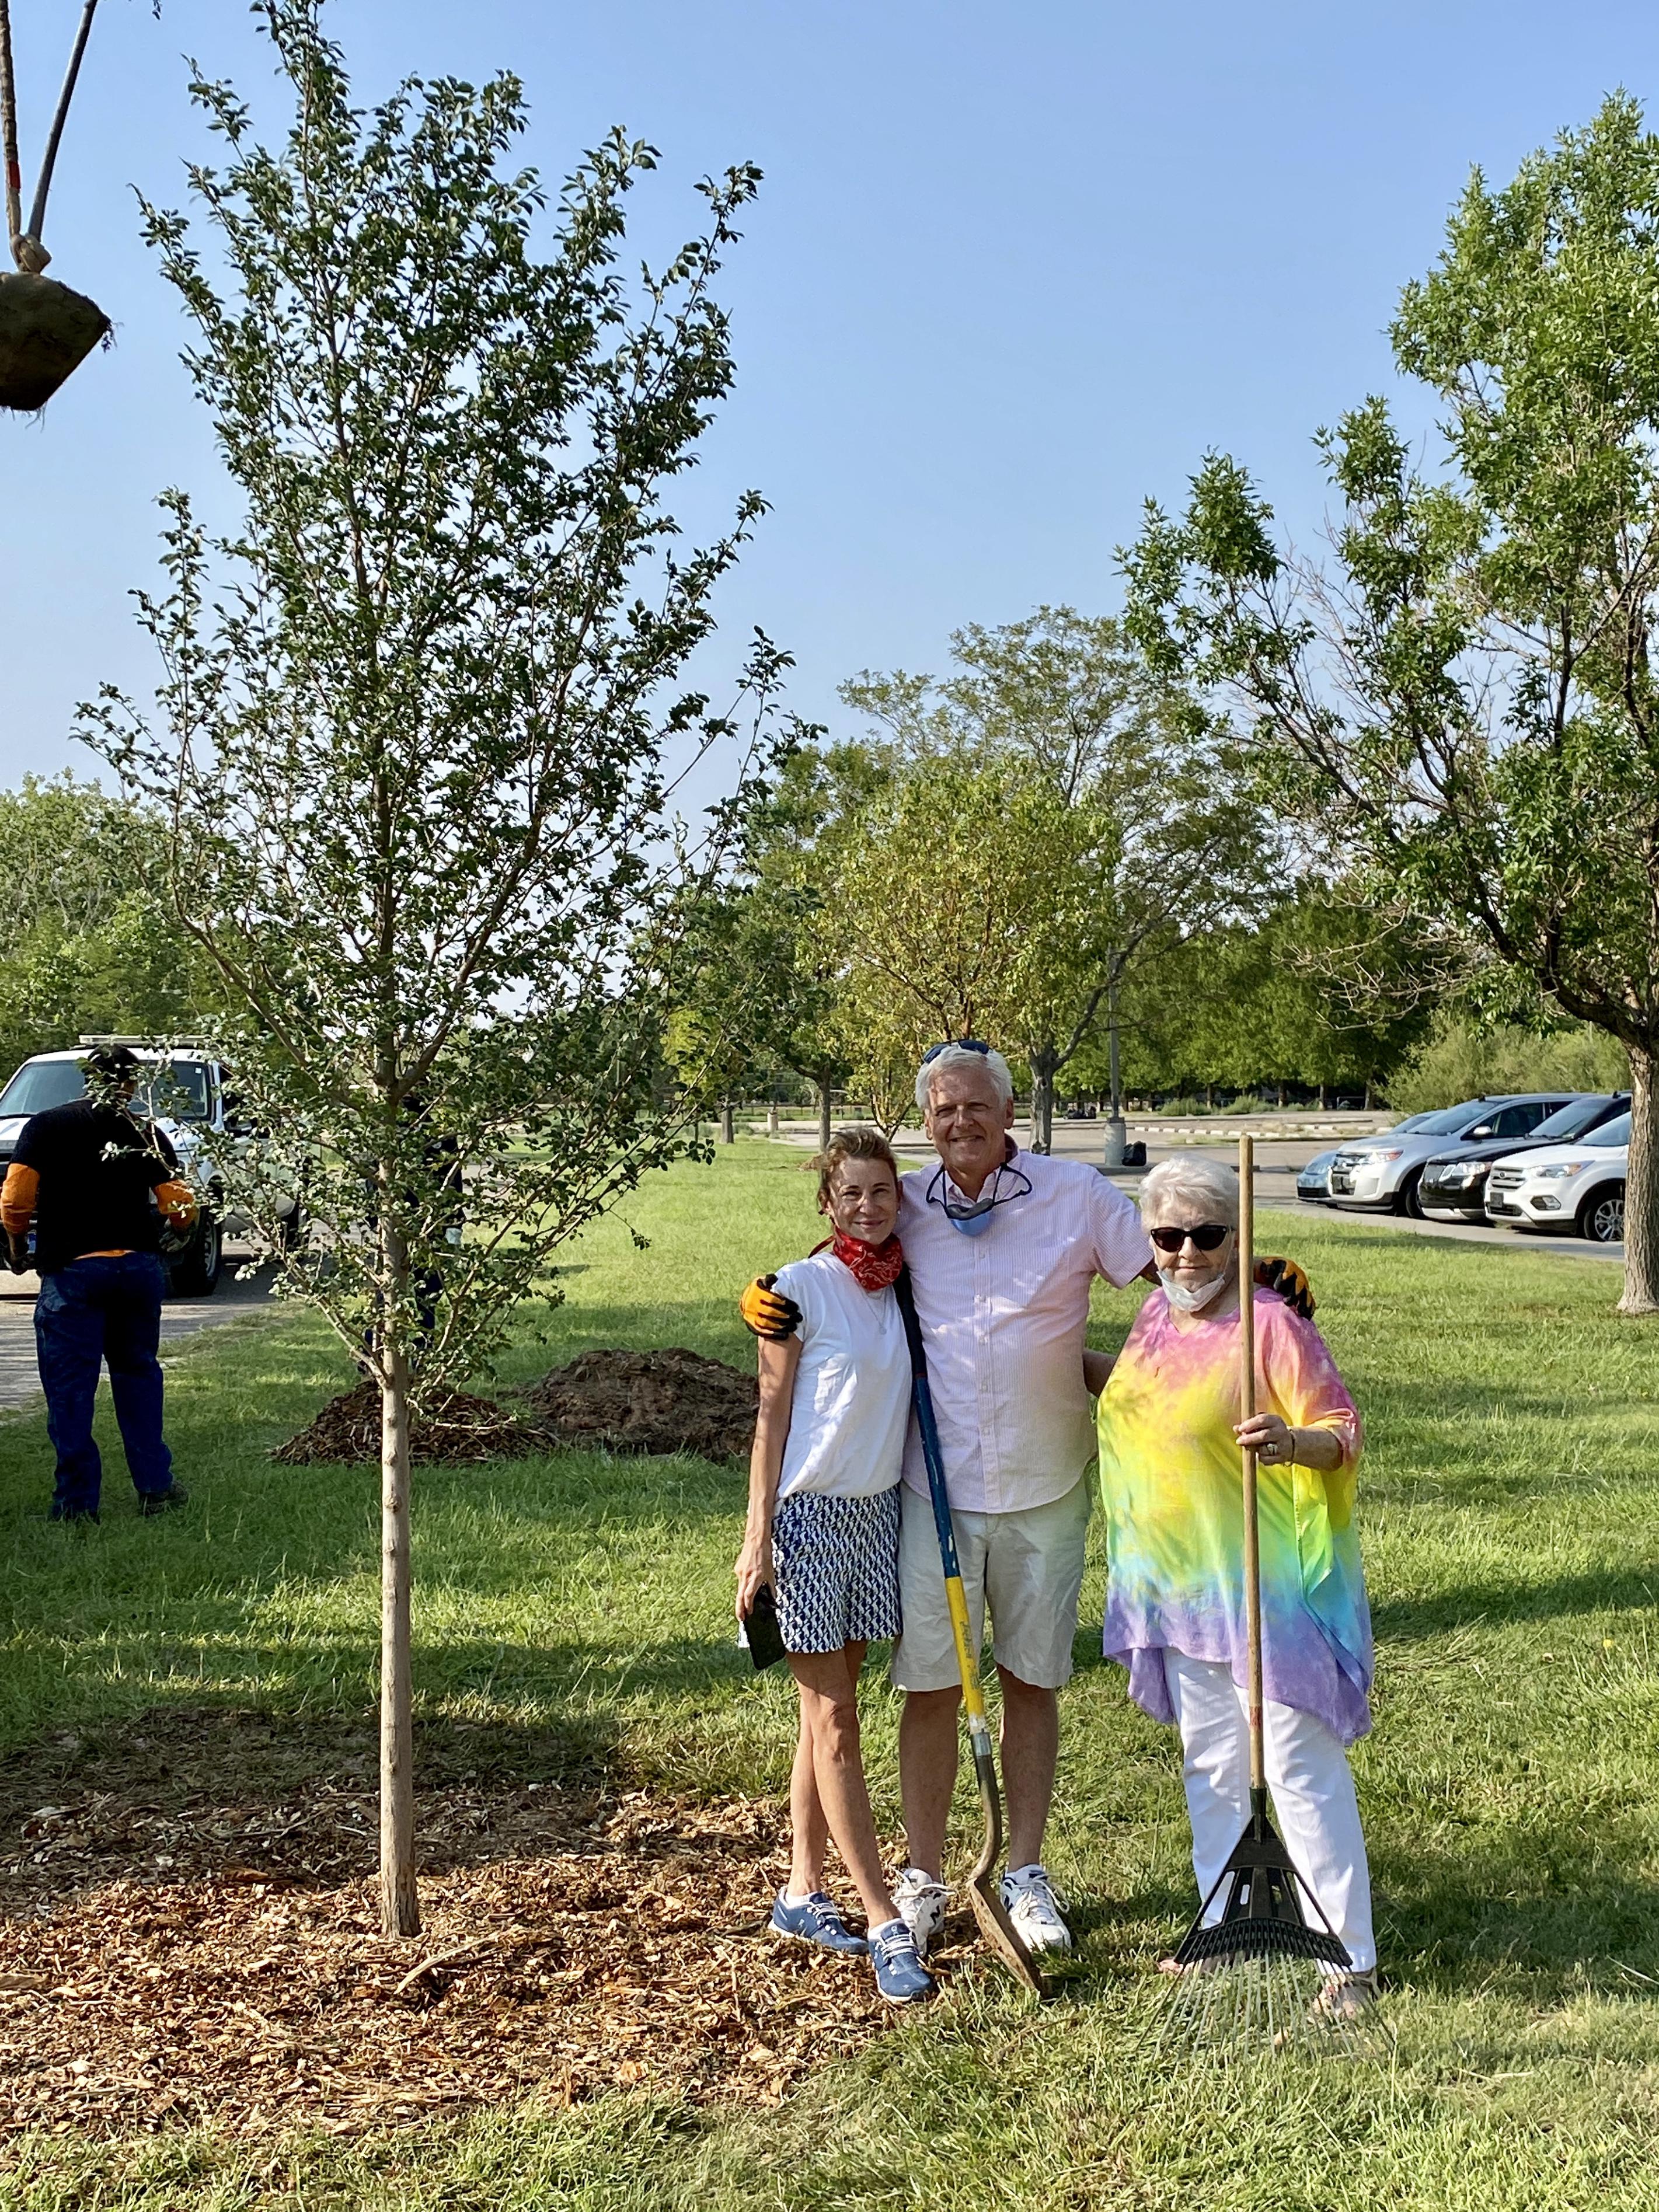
(416, 726)
(1465, 708)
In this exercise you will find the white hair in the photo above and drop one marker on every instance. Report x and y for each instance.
(957, 1055)
(1190, 1179)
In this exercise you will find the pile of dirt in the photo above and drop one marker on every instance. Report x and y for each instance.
(648, 1401)
(453, 1431)
(177, 1956)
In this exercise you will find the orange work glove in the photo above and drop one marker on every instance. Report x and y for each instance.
(1285, 1278)
(767, 1312)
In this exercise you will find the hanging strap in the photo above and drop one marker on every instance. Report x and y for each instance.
(27, 250)
(9, 129)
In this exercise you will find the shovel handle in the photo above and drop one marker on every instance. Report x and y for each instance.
(973, 1696)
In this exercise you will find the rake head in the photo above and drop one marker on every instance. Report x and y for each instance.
(1259, 1977)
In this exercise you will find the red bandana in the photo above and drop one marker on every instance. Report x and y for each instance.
(872, 1266)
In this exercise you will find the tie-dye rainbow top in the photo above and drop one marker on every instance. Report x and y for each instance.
(1172, 1484)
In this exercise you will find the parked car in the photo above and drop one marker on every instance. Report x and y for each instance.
(1313, 1184)
(1453, 1186)
(1380, 1174)
(1579, 1187)
(188, 1096)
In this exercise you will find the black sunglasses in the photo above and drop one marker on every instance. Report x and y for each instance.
(954, 1044)
(1206, 1236)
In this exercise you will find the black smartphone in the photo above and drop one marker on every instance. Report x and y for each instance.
(760, 1626)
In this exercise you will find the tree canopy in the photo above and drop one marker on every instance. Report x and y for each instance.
(1459, 710)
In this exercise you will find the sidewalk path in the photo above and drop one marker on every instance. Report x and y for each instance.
(19, 1383)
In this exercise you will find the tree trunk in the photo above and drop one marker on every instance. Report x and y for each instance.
(728, 1127)
(772, 1119)
(1641, 1194)
(1322, 1098)
(400, 1902)
(824, 1130)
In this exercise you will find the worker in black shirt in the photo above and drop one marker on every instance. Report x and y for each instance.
(85, 1174)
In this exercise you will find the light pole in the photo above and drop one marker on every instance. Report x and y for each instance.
(1116, 1132)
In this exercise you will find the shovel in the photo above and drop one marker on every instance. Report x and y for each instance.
(990, 1912)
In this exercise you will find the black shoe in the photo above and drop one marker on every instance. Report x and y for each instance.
(83, 1513)
(163, 1501)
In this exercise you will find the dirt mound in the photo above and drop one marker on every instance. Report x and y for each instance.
(175, 1956)
(648, 1401)
(455, 1431)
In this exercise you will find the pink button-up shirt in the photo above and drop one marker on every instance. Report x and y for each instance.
(1003, 1317)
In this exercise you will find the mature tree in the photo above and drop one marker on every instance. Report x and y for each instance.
(1310, 995)
(1463, 708)
(87, 946)
(1132, 829)
(415, 722)
(799, 928)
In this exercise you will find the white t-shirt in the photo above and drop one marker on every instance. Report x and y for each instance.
(852, 1403)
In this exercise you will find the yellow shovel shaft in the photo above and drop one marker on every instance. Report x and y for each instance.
(967, 1661)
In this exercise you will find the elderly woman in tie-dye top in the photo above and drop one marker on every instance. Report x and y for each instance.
(1170, 1477)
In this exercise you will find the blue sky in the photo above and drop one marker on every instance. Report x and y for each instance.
(1013, 268)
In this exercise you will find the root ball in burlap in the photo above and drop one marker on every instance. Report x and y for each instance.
(45, 332)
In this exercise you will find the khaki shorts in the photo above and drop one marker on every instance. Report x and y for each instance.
(1029, 1566)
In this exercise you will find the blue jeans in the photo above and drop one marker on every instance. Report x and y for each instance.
(92, 1311)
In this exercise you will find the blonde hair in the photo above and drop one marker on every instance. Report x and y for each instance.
(851, 1145)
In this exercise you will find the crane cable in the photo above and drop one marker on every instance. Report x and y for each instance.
(27, 250)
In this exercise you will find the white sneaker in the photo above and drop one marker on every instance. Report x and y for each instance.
(1034, 1909)
(919, 1901)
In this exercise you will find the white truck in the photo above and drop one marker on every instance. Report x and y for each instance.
(190, 1098)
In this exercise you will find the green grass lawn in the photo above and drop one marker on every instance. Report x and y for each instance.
(573, 1610)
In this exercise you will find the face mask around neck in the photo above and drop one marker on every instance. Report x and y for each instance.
(1187, 1298)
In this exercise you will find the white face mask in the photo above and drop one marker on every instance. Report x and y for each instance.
(1190, 1298)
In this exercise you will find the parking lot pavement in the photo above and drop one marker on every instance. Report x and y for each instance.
(19, 1383)
(1277, 1163)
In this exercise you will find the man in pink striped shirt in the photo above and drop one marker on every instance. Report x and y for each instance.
(1003, 1248)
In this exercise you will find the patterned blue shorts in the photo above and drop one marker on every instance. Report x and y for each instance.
(837, 1568)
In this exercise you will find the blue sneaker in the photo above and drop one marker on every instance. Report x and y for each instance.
(813, 1919)
(901, 1978)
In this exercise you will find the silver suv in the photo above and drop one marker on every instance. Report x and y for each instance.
(1381, 1173)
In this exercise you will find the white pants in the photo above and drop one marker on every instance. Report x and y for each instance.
(1313, 1796)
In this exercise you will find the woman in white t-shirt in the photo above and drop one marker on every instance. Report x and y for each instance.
(823, 1535)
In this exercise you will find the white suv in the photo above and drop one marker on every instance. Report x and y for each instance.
(188, 1098)
(1579, 1187)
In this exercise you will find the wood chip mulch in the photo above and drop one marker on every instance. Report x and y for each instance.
(174, 1960)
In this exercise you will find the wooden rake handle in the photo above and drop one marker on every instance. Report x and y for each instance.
(1247, 1407)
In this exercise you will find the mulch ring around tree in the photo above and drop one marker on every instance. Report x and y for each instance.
(453, 1431)
(648, 1402)
(190, 1936)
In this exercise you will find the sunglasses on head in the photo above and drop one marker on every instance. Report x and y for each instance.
(954, 1044)
(1206, 1236)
